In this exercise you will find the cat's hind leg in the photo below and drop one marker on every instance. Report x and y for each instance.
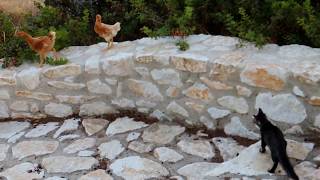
(275, 164)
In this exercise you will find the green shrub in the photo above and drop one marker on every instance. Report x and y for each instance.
(183, 45)
(56, 62)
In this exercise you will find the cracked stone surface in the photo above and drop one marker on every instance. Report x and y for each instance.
(79, 148)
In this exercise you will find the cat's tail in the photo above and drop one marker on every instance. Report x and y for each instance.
(284, 161)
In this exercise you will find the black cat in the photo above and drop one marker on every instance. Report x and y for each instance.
(272, 137)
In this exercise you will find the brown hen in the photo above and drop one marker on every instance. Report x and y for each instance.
(42, 45)
(108, 32)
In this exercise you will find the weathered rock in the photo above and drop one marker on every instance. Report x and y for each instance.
(81, 99)
(3, 151)
(197, 171)
(24, 115)
(141, 147)
(56, 178)
(23, 171)
(111, 149)
(243, 91)
(92, 126)
(92, 65)
(64, 164)
(30, 77)
(172, 91)
(19, 106)
(165, 154)
(68, 137)
(111, 81)
(199, 148)
(161, 133)
(137, 168)
(96, 175)
(125, 124)
(266, 76)
(317, 121)
(123, 103)
(195, 106)
(145, 89)
(228, 147)
(133, 136)
(176, 109)
(283, 107)
(218, 85)
(207, 122)
(68, 125)
(297, 91)
(86, 153)
(236, 128)
(9, 129)
(66, 85)
(159, 115)
(58, 110)
(198, 91)
(307, 72)
(190, 62)
(142, 71)
(297, 130)
(118, 65)
(307, 170)
(95, 108)
(79, 145)
(166, 76)
(34, 95)
(42, 130)
(16, 137)
(314, 100)
(35, 147)
(236, 104)
(98, 87)
(4, 110)
(144, 103)
(62, 71)
(4, 95)
(7, 78)
(298, 150)
(216, 113)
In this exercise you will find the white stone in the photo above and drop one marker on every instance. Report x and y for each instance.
(198, 91)
(236, 128)
(243, 91)
(197, 171)
(199, 148)
(216, 113)
(20, 106)
(74, 99)
(118, 65)
(307, 170)
(161, 133)
(159, 115)
(95, 108)
(68, 137)
(7, 78)
(4, 111)
(176, 178)
(35, 147)
(176, 109)
(96, 175)
(23, 171)
(166, 76)
(56, 178)
(228, 147)
(283, 107)
(317, 121)
(68, 125)
(58, 110)
(63, 164)
(207, 122)
(86, 153)
(125, 124)
(142, 71)
(317, 158)
(236, 104)
(133, 136)
(137, 168)
(66, 85)
(30, 77)
(123, 103)
(145, 89)
(165, 154)
(111, 149)
(16, 137)
(172, 91)
(9, 129)
(98, 87)
(62, 71)
(79, 145)
(297, 91)
(34, 107)
(297, 130)
(42, 130)
(298, 150)
(4, 95)
(297, 51)
(3, 151)
(92, 65)
(190, 62)
(92, 126)
(111, 81)
(141, 147)
(25, 115)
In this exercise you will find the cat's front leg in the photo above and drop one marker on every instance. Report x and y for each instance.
(263, 146)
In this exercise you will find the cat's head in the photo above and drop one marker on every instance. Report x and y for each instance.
(260, 118)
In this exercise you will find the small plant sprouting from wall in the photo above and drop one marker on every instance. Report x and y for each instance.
(56, 62)
(183, 45)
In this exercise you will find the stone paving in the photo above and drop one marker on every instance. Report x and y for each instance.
(127, 148)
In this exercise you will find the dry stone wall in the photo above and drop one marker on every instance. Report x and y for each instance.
(215, 83)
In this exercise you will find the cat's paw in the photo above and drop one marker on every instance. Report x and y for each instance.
(262, 150)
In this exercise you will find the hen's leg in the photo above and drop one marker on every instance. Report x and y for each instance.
(111, 44)
(41, 60)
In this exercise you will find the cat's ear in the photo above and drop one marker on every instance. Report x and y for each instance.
(260, 110)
